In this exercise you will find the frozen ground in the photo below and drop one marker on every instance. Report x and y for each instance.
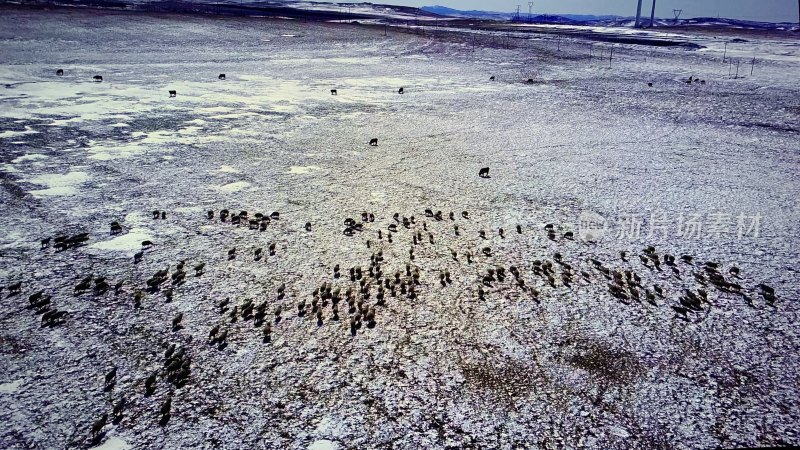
(533, 366)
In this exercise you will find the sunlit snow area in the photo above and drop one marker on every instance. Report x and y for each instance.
(453, 334)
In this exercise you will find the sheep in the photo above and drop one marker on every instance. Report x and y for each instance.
(111, 375)
(166, 407)
(116, 228)
(98, 425)
(118, 407)
(176, 322)
(14, 288)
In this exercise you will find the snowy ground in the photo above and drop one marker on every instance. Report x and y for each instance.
(539, 365)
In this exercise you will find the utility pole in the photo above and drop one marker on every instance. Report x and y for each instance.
(653, 14)
(638, 14)
(530, 12)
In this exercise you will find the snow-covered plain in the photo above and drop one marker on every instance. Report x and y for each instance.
(571, 367)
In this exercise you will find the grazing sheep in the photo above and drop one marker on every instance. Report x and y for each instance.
(35, 297)
(111, 375)
(119, 406)
(14, 288)
(116, 228)
(176, 322)
(53, 317)
(98, 425)
(166, 406)
(267, 332)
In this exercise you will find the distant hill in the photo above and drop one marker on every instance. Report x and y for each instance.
(496, 15)
(606, 20)
(445, 11)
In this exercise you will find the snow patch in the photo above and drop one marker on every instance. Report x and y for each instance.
(299, 170)
(114, 443)
(229, 169)
(10, 388)
(130, 242)
(323, 444)
(234, 187)
(619, 431)
(58, 184)
(29, 157)
(10, 133)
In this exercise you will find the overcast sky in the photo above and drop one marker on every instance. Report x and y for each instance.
(762, 10)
